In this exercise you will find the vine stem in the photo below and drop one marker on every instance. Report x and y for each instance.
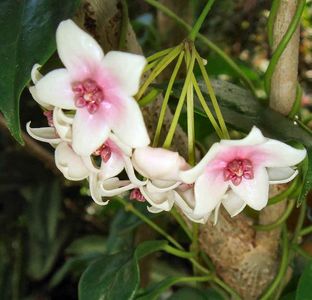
(200, 20)
(131, 208)
(206, 41)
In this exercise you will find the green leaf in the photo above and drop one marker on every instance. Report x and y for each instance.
(45, 238)
(304, 290)
(188, 293)
(149, 247)
(75, 265)
(112, 277)
(307, 177)
(27, 36)
(87, 244)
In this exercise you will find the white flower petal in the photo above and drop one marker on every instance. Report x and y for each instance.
(123, 147)
(33, 92)
(281, 175)
(62, 124)
(191, 175)
(255, 192)
(162, 201)
(95, 190)
(87, 160)
(126, 68)
(209, 189)
(69, 163)
(55, 89)
(130, 127)
(233, 204)
(89, 132)
(254, 137)
(35, 74)
(112, 167)
(44, 134)
(278, 154)
(113, 187)
(76, 48)
(158, 163)
(130, 172)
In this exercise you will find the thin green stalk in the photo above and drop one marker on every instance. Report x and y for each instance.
(190, 119)
(297, 104)
(159, 68)
(206, 108)
(124, 25)
(280, 220)
(284, 194)
(282, 269)
(177, 113)
(151, 65)
(131, 208)
(305, 231)
(158, 54)
(303, 253)
(177, 252)
(150, 97)
(300, 222)
(271, 20)
(227, 288)
(283, 44)
(166, 99)
(200, 20)
(212, 97)
(181, 222)
(194, 246)
(206, 41)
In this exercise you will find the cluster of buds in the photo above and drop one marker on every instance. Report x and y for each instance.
(98, 132)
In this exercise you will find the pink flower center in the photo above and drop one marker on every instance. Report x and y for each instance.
(49, 115)
(88, 94)
(105, 152)
(137, 195)
(238, 169)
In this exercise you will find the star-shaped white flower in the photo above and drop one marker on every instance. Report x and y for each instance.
(237, 173)
(99, 88)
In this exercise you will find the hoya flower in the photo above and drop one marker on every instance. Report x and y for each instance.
(112, 158)
(237, 173)
(161, 167)
(98, 88)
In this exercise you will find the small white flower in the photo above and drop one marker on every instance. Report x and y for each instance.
(237, 173)
(99, 88)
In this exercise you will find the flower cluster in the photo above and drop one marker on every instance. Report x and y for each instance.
(98, 132)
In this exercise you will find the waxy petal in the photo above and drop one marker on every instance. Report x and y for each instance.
(126, 69)
(130, 172)
(255, 137)
(89, 132)
(130, 127)
(112, 167)
(281, 175)
(191, 175)
(44, 134)
(94, 186)
(278, 154)
(209, 189)
(78, 51)
(55, 89)
(255, 192)
(113, 187)
(158, 163)
(233, 203)
(62, 124)
(69, 163)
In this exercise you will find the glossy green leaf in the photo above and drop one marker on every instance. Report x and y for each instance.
(304, 290)
(87, 244)
(149, 247)
(307, 177)
(27, 36)
(45, 236)
(112, 277)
